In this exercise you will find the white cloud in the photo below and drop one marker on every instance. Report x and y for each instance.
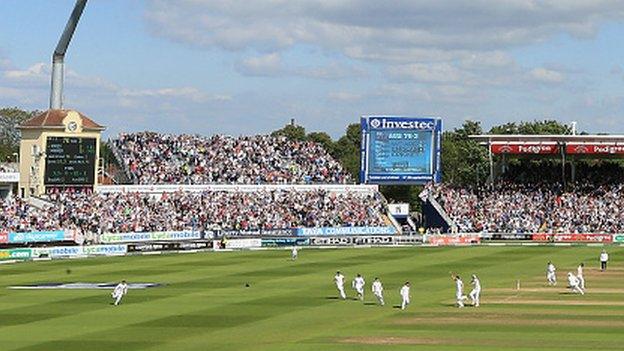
(367, 29)
(344, 96)
(29, 88)
(265, 65)
(272, 65)
(427, 73)
(544, 75)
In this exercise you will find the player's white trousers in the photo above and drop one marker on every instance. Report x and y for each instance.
(380, 299)
(117, 299)
(405, 302)
(360, 292)
(577, 289)
(474, 296)
(581, 282)
(460, 299)
(552, 278)
(341, 291)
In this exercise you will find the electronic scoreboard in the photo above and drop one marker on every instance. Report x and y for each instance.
(70, 161)
(400, 150)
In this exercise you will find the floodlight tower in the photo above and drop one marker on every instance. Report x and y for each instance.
(58, 57)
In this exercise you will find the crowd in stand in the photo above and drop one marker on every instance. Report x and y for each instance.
(155, 158)
(508, 207)
(210, 210)
(7, 168)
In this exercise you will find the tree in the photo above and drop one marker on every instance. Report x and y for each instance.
(10, 119)
(532, 128)
(347, 150)
(464, 161)
(323, 139)
(291, 131)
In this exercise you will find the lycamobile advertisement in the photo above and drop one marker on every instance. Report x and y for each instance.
(69, 251)
(334, 231)
(150, 236)
(15, 254)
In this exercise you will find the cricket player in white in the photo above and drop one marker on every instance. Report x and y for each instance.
(475, 294)
(551, 276)
(459, 291)
(579, 275)
(405, 295)
(120, 290)
(294, 253)
(339, 280)
(574, 284)
(378, 291)
(604, 258)
(358, 284)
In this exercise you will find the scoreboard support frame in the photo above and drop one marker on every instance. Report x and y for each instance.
(400, 123)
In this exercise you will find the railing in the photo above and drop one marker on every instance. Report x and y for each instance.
(157, 189)
(129, 177)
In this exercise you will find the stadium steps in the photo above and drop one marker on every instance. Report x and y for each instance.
(124, 176)
(38, 202)
(435, 215)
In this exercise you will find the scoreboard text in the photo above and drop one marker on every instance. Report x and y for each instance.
(70, 161)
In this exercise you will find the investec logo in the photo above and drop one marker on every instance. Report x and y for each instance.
(382, 123)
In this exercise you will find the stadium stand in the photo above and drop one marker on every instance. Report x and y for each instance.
(508, 207)
(208, 210)
(153, 158)
(8, 167)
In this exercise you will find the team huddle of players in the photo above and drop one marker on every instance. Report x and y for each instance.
(359, 283)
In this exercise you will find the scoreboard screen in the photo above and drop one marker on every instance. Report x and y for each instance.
(70, 161)
(395, 151)
(400, 150)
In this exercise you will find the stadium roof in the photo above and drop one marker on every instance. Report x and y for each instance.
(502, 138)
(54, 119)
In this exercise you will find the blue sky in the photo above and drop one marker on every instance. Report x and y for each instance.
(240, 67)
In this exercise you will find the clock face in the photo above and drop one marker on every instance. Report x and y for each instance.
(72, 126)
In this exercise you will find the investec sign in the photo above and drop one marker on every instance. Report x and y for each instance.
(400, 149)
(396, 123)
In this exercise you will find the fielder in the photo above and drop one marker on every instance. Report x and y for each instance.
(579, 275)
(475, 294)
(358, 284)
(339, 280)
(459, 291)
(405, 295)
(574, 284)
(378, 291)
(551, 276)
(120, 290)
(294, 253)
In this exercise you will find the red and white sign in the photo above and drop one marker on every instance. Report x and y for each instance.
(526, 148)
(573, 238)
(453, 240)
(4, 237)
(580, 149)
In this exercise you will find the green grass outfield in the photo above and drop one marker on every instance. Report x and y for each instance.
(292, 306)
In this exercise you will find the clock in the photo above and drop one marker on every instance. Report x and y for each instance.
(72, 126)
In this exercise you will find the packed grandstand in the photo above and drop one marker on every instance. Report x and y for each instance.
(514, 205)
(154, 158)
(508, 207)
(203, 211)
